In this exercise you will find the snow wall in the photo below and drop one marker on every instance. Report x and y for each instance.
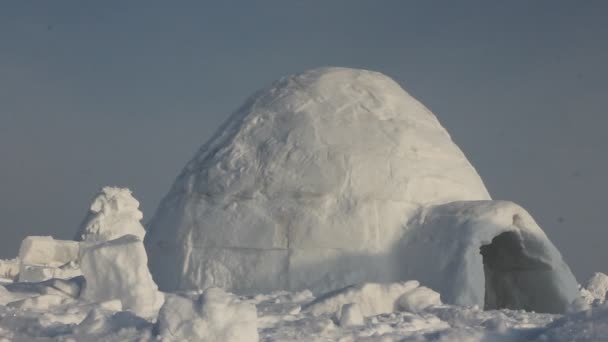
(310, 184)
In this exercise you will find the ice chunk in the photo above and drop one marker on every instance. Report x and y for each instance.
(214, 316)
(118, 269)
(113, 213)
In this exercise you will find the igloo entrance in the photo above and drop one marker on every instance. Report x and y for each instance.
(516, 279)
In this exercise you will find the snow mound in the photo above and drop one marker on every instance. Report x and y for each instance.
(117, 269)
(215, 316)
(487, 253)
(307, 185)
(597, 286)
(375, 299)
(113, 213)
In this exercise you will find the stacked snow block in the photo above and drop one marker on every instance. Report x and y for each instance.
(42, 258)
(112, 256)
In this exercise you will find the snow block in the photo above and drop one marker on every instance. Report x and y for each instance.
(113, 213)
(290, 179)
(42, 258)
(214, 316)
(350, 315)
(118, 269)
(44, 250)
(487, 253)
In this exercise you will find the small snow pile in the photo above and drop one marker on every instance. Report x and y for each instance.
(42, 258)
(487, 253)
(597, 286)
(307, 186)
(418, 299)
(593, 293)
(350, 315)
(117, 269)
(113, 213)
(374, 299)
(215, 316)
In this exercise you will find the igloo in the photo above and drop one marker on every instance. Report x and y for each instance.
(312, 184)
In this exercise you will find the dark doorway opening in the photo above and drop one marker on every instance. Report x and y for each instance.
(516, 278)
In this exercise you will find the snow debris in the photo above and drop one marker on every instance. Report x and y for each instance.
(597, 286)
(117, 269)
(9, 270)
(215, 316)
(374, 298)
(487, 253)
(113, 213)
(286, 196)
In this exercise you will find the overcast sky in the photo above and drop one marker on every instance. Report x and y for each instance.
(124, 92)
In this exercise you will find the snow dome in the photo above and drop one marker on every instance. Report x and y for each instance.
(308, 185)
(312, 184)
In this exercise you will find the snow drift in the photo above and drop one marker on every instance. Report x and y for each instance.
(307, 185)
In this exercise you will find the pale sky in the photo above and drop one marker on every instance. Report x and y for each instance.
(124, 92)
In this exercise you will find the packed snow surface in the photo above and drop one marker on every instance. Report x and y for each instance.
(308, 185)
(26, 314)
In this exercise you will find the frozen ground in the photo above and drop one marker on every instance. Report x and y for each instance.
(26, 315)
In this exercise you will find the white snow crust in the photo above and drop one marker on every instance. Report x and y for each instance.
(113, 213)
(221, 316)
(487, 253)
(307, 186)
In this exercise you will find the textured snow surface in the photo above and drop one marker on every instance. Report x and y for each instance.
(214, 316)
(113, 213)
(487, 253)
(374, 299)
(29, 315)
(307, 186)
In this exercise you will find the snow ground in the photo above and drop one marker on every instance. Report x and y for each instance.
(28, 314)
